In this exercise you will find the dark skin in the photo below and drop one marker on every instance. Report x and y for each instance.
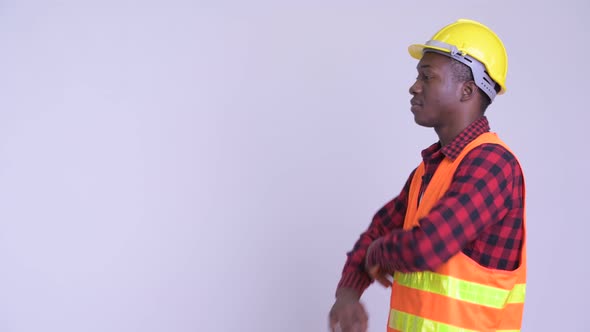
(439, 101)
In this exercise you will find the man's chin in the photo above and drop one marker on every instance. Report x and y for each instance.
(422, 122)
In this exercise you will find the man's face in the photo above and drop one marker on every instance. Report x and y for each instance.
(436, 93)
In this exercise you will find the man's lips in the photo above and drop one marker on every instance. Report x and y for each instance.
(416, 105)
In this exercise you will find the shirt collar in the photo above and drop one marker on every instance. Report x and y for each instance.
(454, 148)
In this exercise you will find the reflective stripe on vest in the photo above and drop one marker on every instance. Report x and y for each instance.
(402, 321)
(462, 290)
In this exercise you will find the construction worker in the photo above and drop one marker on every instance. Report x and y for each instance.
(454, 238)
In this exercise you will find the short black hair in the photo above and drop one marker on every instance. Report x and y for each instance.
(462, 73)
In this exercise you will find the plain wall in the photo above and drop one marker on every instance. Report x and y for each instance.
(205, 166)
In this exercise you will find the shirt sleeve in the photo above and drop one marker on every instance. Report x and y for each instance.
(388, 218)
(479, 195)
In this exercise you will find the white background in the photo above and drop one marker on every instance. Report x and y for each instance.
(205, 166)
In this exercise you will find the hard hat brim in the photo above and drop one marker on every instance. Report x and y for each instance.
(417, 50)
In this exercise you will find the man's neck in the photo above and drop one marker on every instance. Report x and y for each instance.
(446, 134)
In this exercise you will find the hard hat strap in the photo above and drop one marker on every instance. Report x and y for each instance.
(480, 75)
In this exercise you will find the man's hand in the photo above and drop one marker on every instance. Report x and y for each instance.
(375, 271)
(347, 313)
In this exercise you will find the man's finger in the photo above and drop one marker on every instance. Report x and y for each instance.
(374, 272)
(335, 328)
(334, 324)
(382, 279)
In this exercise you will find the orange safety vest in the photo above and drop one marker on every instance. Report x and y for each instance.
(460, 295)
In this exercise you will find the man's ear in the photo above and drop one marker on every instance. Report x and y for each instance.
(468, 90)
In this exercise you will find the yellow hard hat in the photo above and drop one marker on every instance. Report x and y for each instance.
(466, 41)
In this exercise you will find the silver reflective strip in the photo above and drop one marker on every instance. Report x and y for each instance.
(480, 75)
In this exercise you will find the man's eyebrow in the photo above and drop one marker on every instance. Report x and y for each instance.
(423, 66)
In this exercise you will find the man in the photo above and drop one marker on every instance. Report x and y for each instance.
(454, 238)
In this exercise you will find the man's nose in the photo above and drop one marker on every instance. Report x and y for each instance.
(415, 88)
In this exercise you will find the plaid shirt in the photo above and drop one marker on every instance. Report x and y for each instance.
(481, 215)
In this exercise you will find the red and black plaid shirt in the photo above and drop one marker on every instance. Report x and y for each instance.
(481, 214)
